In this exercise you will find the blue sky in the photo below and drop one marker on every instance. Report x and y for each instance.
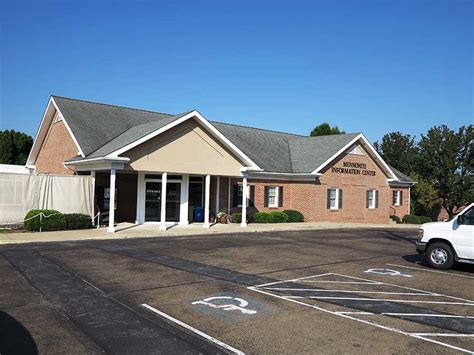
(370, 66)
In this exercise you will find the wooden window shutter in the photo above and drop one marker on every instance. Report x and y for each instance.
(252, 196)
(401, 197)
(265, 197)
(340, 199)
(367, 199)
(280, 196)
(376, 198)
(328, 201)
(394, 198)
(235, 196)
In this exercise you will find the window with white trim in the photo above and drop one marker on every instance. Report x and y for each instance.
(371, 199)
(273, 196)
(397, 198)
(334, 199)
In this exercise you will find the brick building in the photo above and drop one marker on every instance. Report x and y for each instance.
(163, 167)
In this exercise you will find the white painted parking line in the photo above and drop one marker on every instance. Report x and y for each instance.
(444, 335)
(348, 316)
(386, 300)
(275, 289)
(361, 313)
(352, 291)
(184, 325)
(342, 282)
(426, 315)
(433, 271)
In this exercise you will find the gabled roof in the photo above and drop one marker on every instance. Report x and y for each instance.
(95, 124)
(103, 130)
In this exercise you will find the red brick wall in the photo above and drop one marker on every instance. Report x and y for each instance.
(57, 147)
(404, 208)
(310, 197)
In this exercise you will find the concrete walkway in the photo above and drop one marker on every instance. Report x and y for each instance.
(129, 230)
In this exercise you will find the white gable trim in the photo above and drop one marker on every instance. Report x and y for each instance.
(43, 129)
(366, 143)
(201, 119)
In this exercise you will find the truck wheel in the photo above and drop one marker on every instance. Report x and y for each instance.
(440, 256)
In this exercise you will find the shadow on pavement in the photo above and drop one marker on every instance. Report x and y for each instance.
(399, 237)
(420, 260)
(14, 338)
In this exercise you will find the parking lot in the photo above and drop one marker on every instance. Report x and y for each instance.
(324, 291)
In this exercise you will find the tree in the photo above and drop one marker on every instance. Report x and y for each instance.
(447, 163)
(324, 129)
(14, 147)
(424, 198)
(400, 151)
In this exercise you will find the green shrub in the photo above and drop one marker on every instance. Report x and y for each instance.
(262, 217)
(279, 217)
(395, 218)
(411, 219)
(294, 216)
(78, 221)
(236, 217)
(51, 221)
(425, 219)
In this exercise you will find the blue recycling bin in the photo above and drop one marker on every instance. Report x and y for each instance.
(198, 214)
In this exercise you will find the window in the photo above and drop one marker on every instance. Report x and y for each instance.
(334, 199)
(397, 198)
(469, 217)
(354, 150)
(272, 196)
(240, 190)
(372, 199)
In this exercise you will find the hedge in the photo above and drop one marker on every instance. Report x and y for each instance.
(78, 221)
(425, 219)
(236, 217)
(53, 220)
(262, 217)
(411, 219)
(395, 218)
(294, 216)
(279, 217)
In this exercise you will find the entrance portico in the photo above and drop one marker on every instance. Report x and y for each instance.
(165, 199)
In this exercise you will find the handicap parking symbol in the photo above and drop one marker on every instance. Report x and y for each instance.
(388, 272)
(226, 303)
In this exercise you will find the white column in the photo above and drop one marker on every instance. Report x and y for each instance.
(92, 197)
(244, 202)
(111, 228)
(206, 200)
(184, 205)
(140, 218)
(163, 202)
(218, 188)
(228, 196)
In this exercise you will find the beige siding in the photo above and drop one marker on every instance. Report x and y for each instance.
(187, 148)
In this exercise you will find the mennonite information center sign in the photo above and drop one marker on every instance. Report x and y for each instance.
(353, 168)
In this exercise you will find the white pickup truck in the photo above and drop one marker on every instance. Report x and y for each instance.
(443, 243)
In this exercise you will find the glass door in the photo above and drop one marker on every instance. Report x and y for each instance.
(173, 201)
(153, 201)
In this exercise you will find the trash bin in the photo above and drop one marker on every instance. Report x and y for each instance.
(198, 214)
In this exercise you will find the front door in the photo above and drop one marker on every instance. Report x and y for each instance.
(153, 201)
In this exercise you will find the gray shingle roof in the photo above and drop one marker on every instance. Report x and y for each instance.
(95, 124)
(101, 129)
(401, 176)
